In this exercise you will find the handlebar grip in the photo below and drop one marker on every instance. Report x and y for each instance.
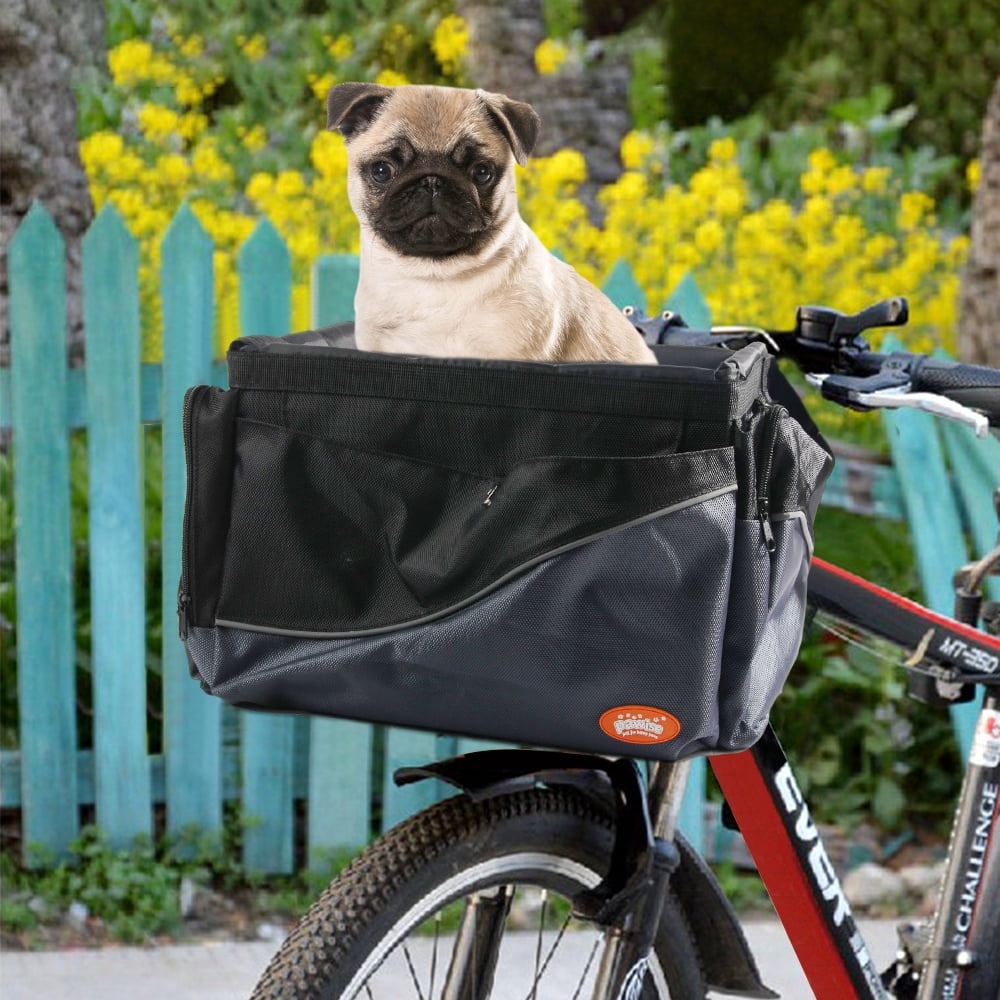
(972, 385)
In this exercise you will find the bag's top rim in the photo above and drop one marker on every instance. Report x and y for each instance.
(715, 364)
(690, 383)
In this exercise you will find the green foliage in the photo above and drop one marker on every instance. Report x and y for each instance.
(744, 889)
(563, 18)
(860, 747)
(648, 90)
(130, 890)
(865, 132)
(720, 56)
(940, 56)
(134, 892)
(258, 64)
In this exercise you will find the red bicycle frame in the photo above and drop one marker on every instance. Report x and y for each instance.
(774, 819)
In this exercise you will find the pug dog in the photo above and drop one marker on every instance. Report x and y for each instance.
(448, 266)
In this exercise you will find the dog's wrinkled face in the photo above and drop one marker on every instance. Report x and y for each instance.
(431, 168)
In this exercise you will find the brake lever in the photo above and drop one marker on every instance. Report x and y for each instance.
(900, 397)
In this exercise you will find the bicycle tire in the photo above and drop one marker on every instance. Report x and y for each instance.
(556, 839)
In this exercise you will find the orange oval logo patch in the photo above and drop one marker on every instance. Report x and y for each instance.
(639, 724)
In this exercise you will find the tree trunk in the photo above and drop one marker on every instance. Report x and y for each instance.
(979, 318)
(43, 43)
(586, 109)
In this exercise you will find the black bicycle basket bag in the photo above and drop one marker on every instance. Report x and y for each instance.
(600, 557)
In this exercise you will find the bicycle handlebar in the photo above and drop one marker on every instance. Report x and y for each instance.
(828, 346)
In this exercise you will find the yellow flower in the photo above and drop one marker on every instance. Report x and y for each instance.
(157, 122)
(341, 47)
(709, 236)
(259, 187)
(191, 47)
(722, 150)
(173, 169)
(328, 154)
(390, 78)
(636, 148)
(100, 149)
(191, 125)
(822, 161)
(973, 174)
(568, 166)
(253, 139)
(289, 184)
(841, 180)
(915, 209)
(208, 164)
(254, 48)
(875, 180)
(320, 85)
(549, 56)
(449, 42)
(730, 202)
(189, 93)
(135, 61)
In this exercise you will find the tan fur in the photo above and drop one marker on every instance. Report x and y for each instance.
(511, 298)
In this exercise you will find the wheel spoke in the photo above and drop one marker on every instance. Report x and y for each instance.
(533, 995)
(586, 969)
(540, 972)
(434, 953)
(413, 971)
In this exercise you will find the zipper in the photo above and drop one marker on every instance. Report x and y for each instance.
(772, 418)
(184, 591)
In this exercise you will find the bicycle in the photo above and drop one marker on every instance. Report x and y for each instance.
(590, 844)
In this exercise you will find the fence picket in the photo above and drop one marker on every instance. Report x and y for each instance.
(335, 279)
(340, 788)
(45, 638)
(976, 465)
(192, 726)
(688, 300)
(405, 748)
(268, 741)
(117, 543)
(340, 753)
(621, 287)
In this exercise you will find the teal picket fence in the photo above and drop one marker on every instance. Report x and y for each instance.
(323, 782)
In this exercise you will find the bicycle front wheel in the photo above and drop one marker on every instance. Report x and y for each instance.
(395, 923)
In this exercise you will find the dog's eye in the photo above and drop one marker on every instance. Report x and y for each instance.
(381, 171)
(482, 173)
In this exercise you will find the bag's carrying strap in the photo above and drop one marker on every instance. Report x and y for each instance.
(627, 390)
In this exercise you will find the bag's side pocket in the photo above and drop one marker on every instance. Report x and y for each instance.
(771, 559)
(209, 434)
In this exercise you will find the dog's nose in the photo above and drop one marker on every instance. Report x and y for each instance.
(432, 182)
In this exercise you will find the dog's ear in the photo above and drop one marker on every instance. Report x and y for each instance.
(519, 122)
(352, 107)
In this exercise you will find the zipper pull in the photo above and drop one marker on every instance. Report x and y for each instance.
(183, 600)
(765, 524)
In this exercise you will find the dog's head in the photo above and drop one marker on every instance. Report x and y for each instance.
(431, 168)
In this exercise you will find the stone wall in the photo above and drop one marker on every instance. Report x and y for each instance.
(585, 108)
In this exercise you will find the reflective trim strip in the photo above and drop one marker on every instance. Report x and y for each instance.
(517, 571)
(797, 515)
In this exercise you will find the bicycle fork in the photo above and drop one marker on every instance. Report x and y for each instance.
(624, 963)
